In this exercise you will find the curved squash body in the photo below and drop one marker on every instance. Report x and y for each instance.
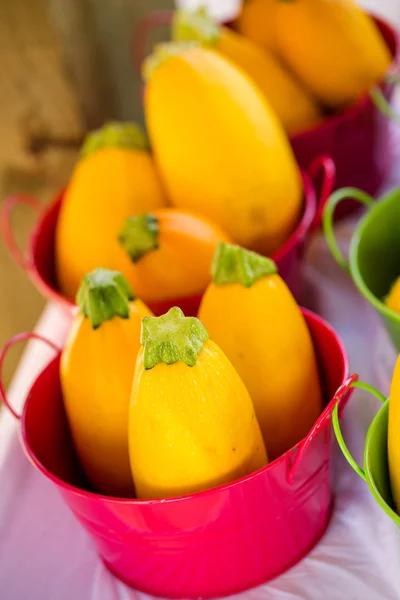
(106, 188)
(179, 264)
(256, 22)
(262, 331)
(394, 435)
(333, 47)
(221, 150)
(96, 377)
(191, 427)
(293, 105)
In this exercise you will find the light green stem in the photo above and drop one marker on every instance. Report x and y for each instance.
(233, 264)
(139, 235)
(104, 295)
(195, 25)
(115, 135)
(172, 338)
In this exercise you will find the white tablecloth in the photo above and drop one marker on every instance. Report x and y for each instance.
(46, 555)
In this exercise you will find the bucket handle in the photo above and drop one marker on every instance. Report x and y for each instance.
(141, 33)
(20, 337)
(322, 164)
(6, 227)
(321, 422)
(338, 433)
(327, 221)
(378, 98)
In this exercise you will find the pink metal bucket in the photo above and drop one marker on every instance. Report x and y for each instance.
(357, 139)
(209, 544)
(39, 262)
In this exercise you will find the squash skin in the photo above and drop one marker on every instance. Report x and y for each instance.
(180, 266)
(105, 188)
(293, 105)
(333, 47)
(256, 22)
(231, 160)
(392, 300)
(394, 435)
(191, 428)
(96, 376)
(262, 331)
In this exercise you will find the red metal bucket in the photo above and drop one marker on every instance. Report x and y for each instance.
(208, 544)
(357, 139)
(39, 262)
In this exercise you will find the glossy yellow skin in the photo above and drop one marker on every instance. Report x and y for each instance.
(394, 435)
(96, 372)
(256, 22)
(262, 331)
(221, 150)
(191, 428)
(332, 46)
(106, 188)
(291, 102)
(392, 300)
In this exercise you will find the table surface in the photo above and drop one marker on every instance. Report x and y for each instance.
(46, 555)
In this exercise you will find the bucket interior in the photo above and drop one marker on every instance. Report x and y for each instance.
(45, 430)
(375, 249)
(376, 462)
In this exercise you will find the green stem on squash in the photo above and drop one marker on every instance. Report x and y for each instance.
(113, 134)
(378, 98)
(172, 338)
(233, 264)
(139, 235)
(195, 25)
(162, 53)
(103, 295)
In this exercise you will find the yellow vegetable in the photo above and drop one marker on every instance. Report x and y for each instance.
(115, 178)
(392, 300)
(96, 377)
(219, 146)
(256, 22)
(192, 424)
(251, 314)
(394, 435)
(333, 47)
(293, 105)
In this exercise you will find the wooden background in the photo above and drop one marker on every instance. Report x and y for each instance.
(65, 67)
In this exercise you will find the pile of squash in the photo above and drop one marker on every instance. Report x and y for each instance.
(167, 405)
(171, 405)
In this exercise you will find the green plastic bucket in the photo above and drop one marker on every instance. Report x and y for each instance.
(374, 252)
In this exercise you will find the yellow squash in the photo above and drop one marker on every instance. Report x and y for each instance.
(332, 46)
(220, 147)
(115, 178)
(192, 424)
(392, 300)
(394, 435)
(251, 314)
(256, 22)
(96, 377)
(293, 105)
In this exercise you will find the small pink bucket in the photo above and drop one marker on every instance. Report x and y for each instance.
(39, 262)
(209, 544)
(357, 139)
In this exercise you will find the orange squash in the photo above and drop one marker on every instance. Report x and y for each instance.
(114, 178)
(256, 21)
(250, 313)
(333, 46)
(167, 253)
(96, 371)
